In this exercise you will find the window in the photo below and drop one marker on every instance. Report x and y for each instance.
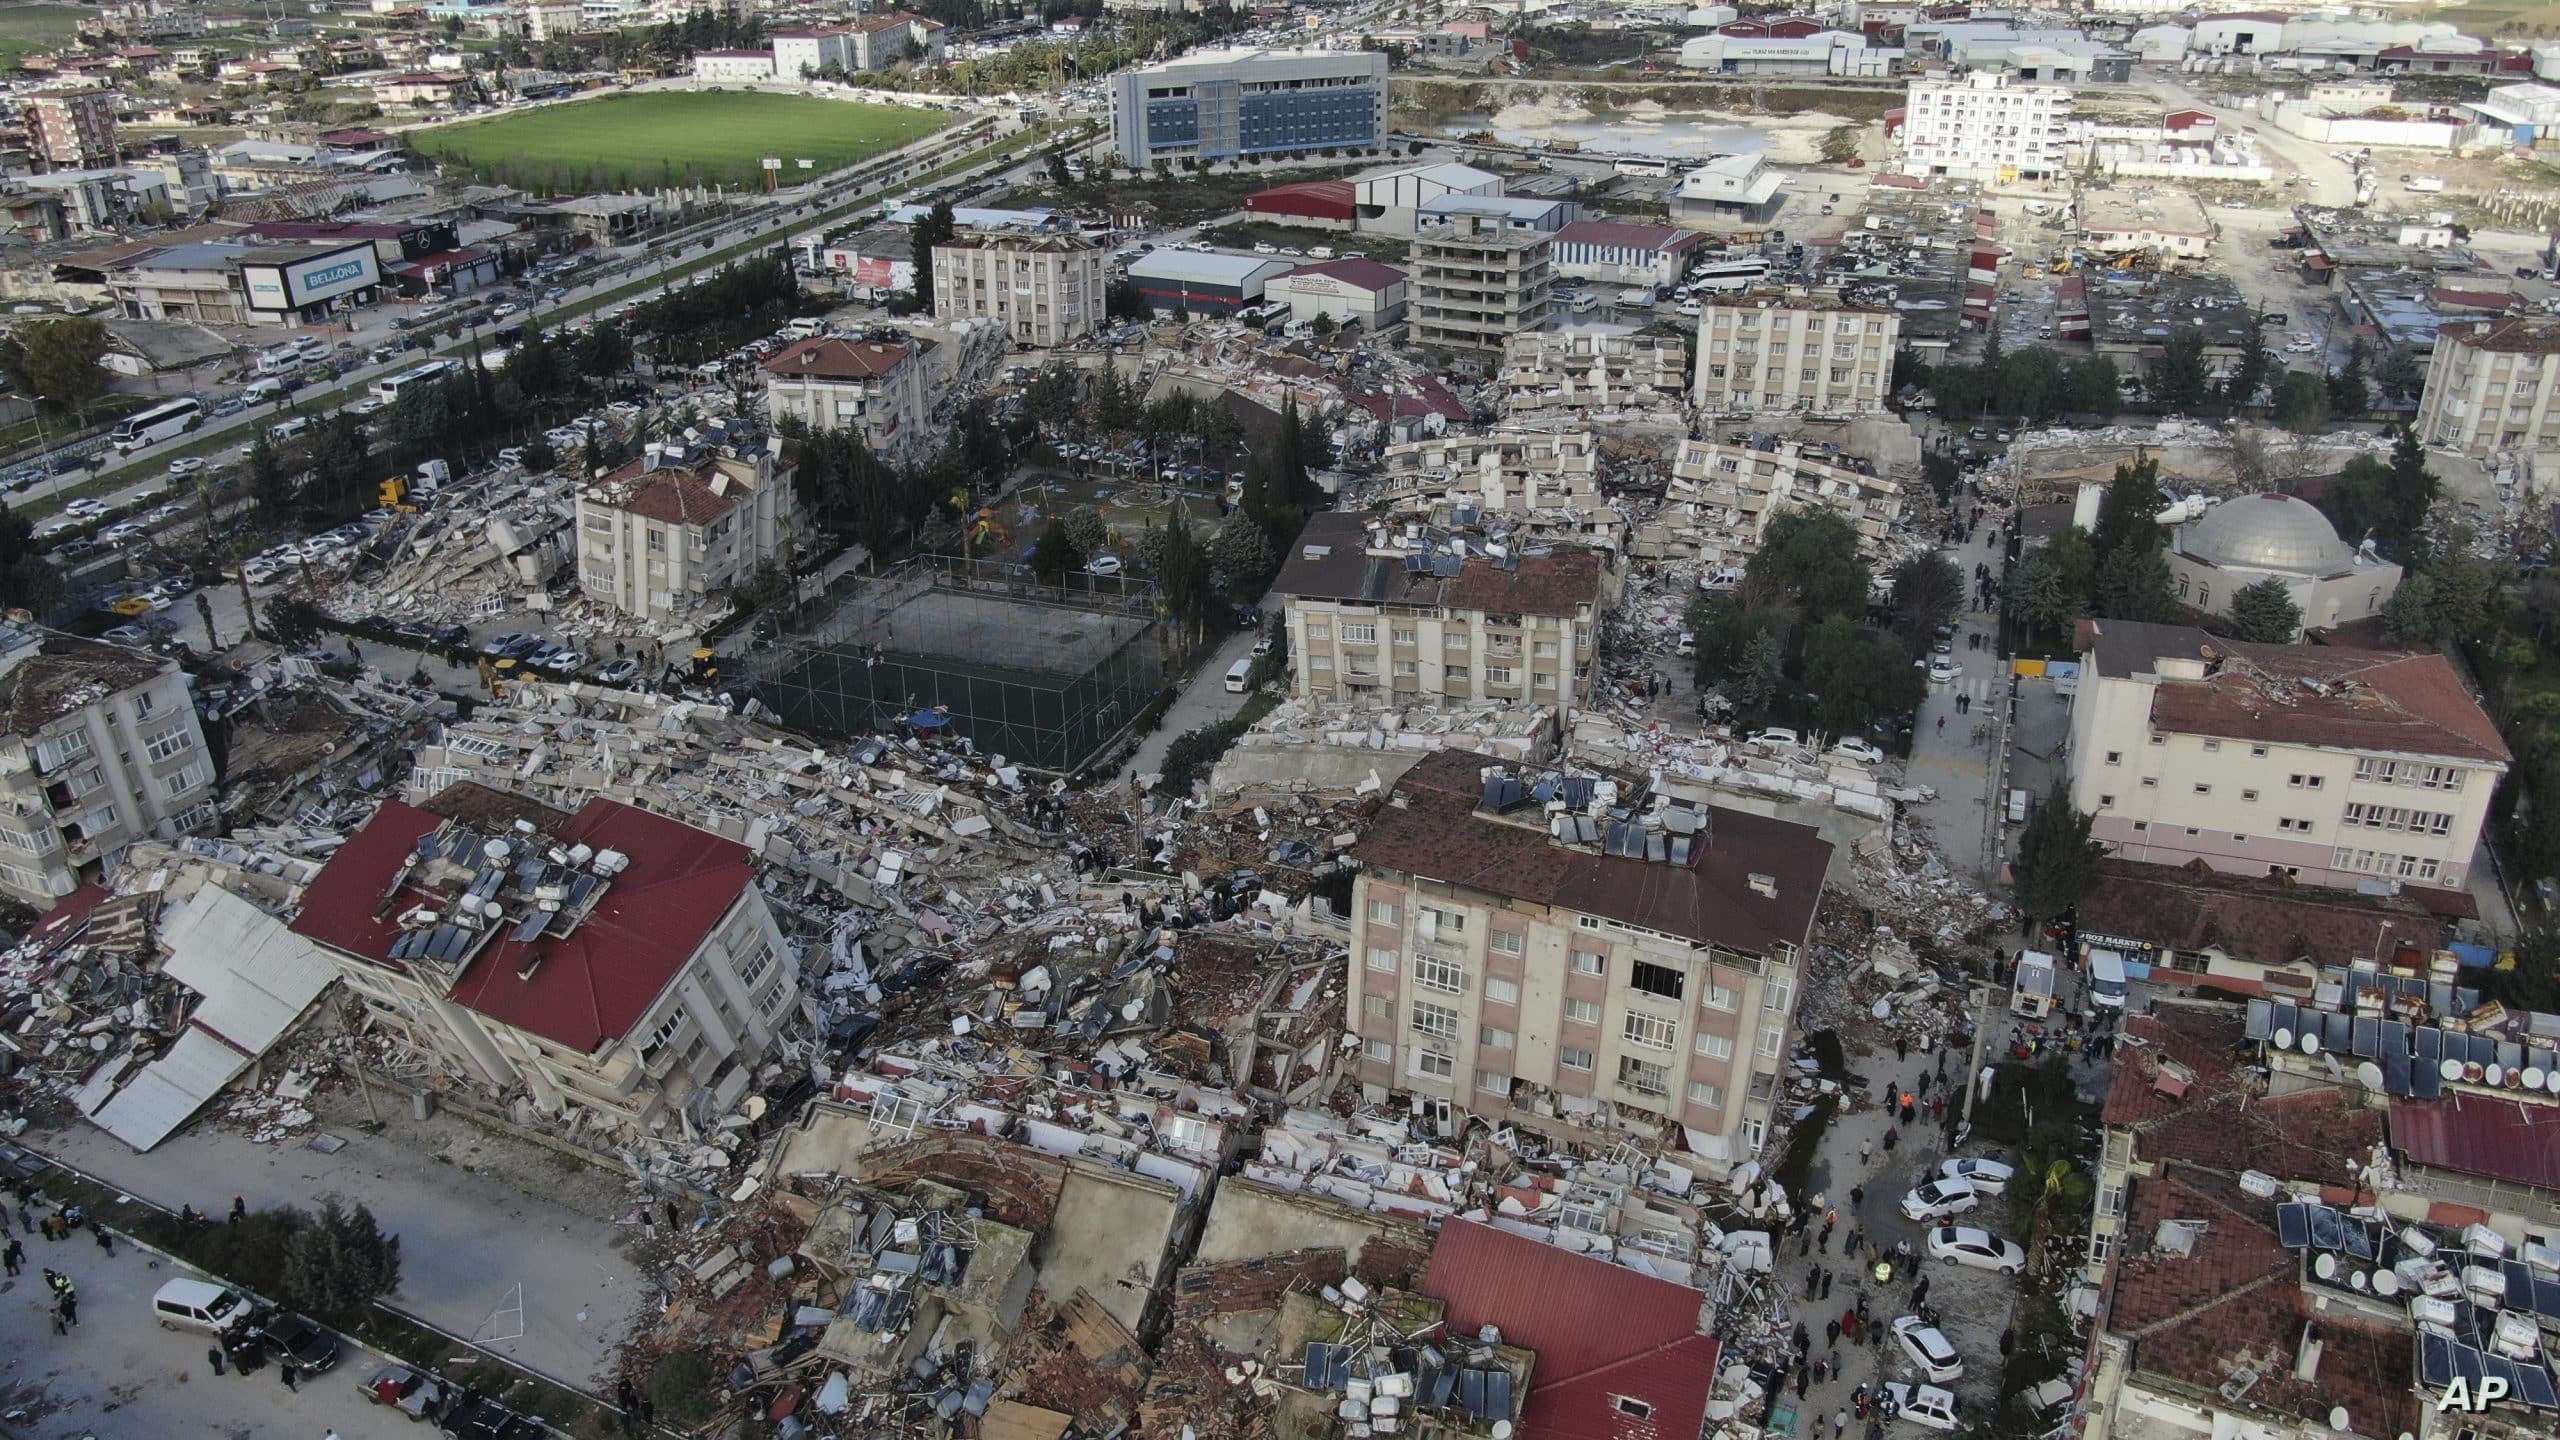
(1508, 942)
(2202, 789)
(144, 705)
(1383, 912)
(1659, 980)
(1573, 1059)
(2212, 746)
(184, 779)
(1590, 962)
(2115, 757)
(1631, 1406)
(1653, 1032)
(1404, 635)
(2100, 1246)
(1644, 1077)
(1317, 630)
(1437, 1022)
(1722, 997)
(1434, 973)
(2289, 824)
(753, 967)
(1498, 675)
(2257, 752)
(771, 999)
(2248, 794)
(1780, 994)
(1587, 922)
(1378, 1007)
(1359, 634)
(1773, 1041)
(2303, 782)
(1500, 992)
(1432, 1065)
(1442, 922)
(167, 743)
(1582, 1012)
(1703, 1093)
(2159, 739)
(1493, 1080)
(1494, 1037)
(1382, 958)
(2141, 825)
(1714, 1047)
(1381, 1051)
(665, 1032)
(2105, 800)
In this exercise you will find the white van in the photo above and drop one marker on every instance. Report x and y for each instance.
(200, 1305)
(1585, 301)
(1237, 673)
(2106, 978)
(261, 392)
(292, 429)
(279, 361)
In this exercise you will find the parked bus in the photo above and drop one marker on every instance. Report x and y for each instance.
(160, 422)
(1727, 274)
(388, 388)
(1645, 165)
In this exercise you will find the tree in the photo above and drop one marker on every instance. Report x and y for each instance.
(2061, 1191)
(2349, 396)
(2240, 388)
(2128, 514)
(1840, 143)
(2463, 596)
(2409, 616)
(1809, 557)
(56, 362)
(2400, 376)
(2049, 588)
(1760, 676)
(1852, 674)
(1928, 590)
(2411, 495)
(1055, 556)
(2057, 859)
(25, 580)
(2133, 585)
(1322, 325)
(936, 228)
(340, 1263)
(1241, 553)
(266, 478)
(2179, 379)
(2265, 613)
(2095, 387)
(1086, 529)
(2302, 402)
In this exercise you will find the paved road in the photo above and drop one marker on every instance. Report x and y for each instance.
(1204, 701)
(1944, 754)
(119, 1374)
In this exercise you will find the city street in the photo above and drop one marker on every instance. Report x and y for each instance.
(1957, 754)
(1203, 701)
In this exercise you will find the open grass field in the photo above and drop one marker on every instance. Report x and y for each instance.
(32, 29)
(673, 137)
(2490, 17)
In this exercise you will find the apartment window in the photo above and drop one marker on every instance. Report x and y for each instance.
(1544, 650)
(31, 881)
(1714, 1047)
(1433, 973)
(753, 966)
(1574, 1059)
(1432, 1065)
(1780, 994)
(144, 705)
(1661, 980)
(1498, 675)
(2248, 794)
(1493, 1080)
(1644, 1077)
(1653, 1032)
(1404, 635)
(1378, 1007)
(1454, 640)
(2141, 825)
(2212, 746)
(1382, 958)
(666, 1031)
(2257, 752)
(1498, 991)
(1709, 1095)
(1381, 1051)
(167, 743)
(2289, 824)
(1587, 922)
(2204, 789)
(1456, 674)
(1317, 630)
(1590, 962)
(1383, 912)
(2158, 739)
(1508, 942)
(1773, 1041)
(1436, 1022)
(2303, 782)
(1494, 1037)
(2105, 800)
(1359, 634)
(2115, 757)
(1406, 669)
(1582, 1012)
(1447, 922)
(1723, 997)
(2150, 783)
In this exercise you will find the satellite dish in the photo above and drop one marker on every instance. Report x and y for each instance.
(2473, 1072)
(2551, 1082)
(2360, 1280)
(2369, 1075)
(1501, 1430)
(2310, 1042)
(2325, 1266)
(2492, 1076)
(2450, 1069)
(2385, 1283)
(2515, 1077)
(2284, 1038)
(2338, 1417)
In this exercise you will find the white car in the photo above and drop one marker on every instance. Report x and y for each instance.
(1929, 1349)
(1103, 565)
(122, 534)
(1989, 1177)
(85, 509)
(1777, 738)
(1939, 1199)
(1859, 750)
(369, 405)
(185, 465)
(1923, 1405)
(1942, 669)
(1964, 1245)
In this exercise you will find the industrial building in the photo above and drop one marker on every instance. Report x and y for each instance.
(1731, 191)
(1214, 282)
(1353, 292)
(1221, 104)
(1615, 252)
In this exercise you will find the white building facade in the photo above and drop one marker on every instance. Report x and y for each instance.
(1794, 350)
(99, 746)
(1985, 127)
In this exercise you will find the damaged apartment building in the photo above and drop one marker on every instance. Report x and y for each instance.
(1572, 955)
(1573, 372)
(1723, 493)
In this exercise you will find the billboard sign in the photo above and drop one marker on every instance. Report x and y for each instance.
(294, 284)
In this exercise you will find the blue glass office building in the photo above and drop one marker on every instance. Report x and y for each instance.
(1222, 104)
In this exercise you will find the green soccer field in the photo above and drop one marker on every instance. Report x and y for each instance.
(673, 138)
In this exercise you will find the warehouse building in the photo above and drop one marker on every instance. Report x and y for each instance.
(1215, 282)
(1221, 104)
(1542, 214)
(1353, 292)
(1320, 204)
(1615, 253)
(1390, 200)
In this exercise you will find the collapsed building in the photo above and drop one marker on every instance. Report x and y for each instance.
(1723, 494)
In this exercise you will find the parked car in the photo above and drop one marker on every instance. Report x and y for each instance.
(1939, 1199)
(1103, 565)
(1924, 1405)
(299, 1341)
(228, 405)
(411, 1392)
(489, 1420)
(185, 465)
(448, 637)
(1929, 1349)
(133, 635)
(558, 660)
(1988, 1177)
(1858, 749)
(620, 672)
(1942, 669)
(1777, 738)
(1964, 1245)
(511, 645)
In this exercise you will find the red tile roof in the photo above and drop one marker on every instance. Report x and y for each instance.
(2237, 1302)
(1600, 1332)
(594, 983)
(2515, 335)
(2499, 1139)
(2252, 919)
(830, 357)
(1560, 583)
(672, 496)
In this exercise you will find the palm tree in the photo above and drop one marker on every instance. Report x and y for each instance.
(2060, 1189)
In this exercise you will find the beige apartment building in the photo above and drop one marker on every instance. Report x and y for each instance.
(617, 968)
(1044, 288)
(880, 388)
(668, 533)
(1504, 471)
(1795, 349)
(1478, 280)
(99, 747)
(1519, 957)
(2490, 387)
(1373, 621)
(2328, 766)
(1592, 370)
(1739, 484)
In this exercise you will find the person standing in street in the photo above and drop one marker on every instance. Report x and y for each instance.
(213, 1357)
(15, 1256)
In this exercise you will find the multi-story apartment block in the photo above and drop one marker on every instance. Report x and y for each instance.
(801, 54)
(99, 746)
(552, 19)
(1044, 288)
(1985, 126)
(1520, 956)
(1478, 281)
(73, 129)
(1592, 370)
(2329, 766)
(2491, 386)
(881, 388)
(1222, 104)
(1505, 472)
(613, 967)
(1375, 621)
(876, 42)
(1795, 349)
(1739, 485)
(668, 533)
